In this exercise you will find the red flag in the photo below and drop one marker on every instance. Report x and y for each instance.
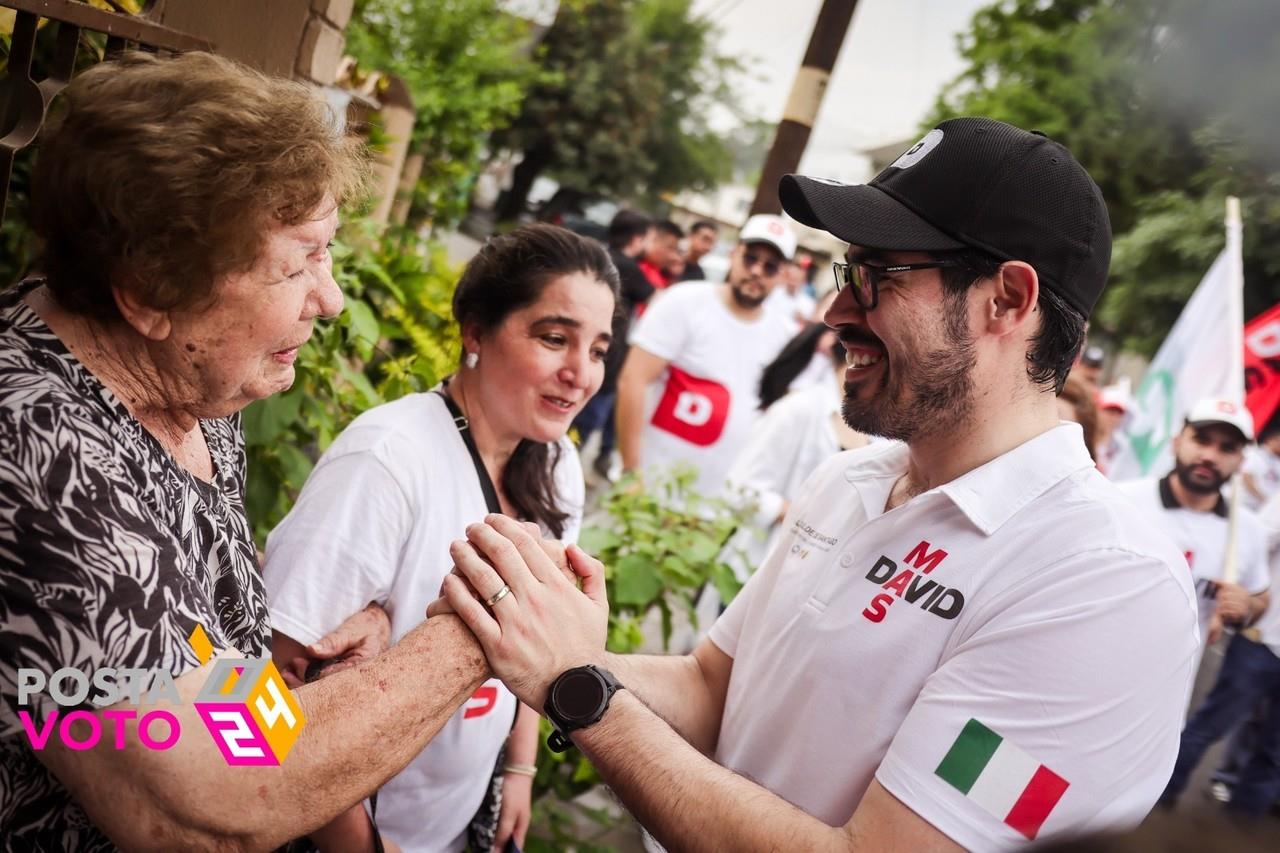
(1262, 366)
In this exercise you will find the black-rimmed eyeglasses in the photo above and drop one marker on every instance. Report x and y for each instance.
(865, 278)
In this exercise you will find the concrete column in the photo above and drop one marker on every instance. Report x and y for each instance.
(397, 115)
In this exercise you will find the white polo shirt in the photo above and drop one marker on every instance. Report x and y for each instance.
(1202, 539)
(1008, 654)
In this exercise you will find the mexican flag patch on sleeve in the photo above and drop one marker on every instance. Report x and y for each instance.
(1000, 777)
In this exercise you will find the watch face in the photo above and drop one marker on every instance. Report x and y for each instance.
(578, 694)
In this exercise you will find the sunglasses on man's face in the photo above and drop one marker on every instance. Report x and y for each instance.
(864, 279)
(768, 265)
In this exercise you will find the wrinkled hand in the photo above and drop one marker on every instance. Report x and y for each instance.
(545, 625)
(517, 810)
(362, 636)
(1233, 603)
(554, 549)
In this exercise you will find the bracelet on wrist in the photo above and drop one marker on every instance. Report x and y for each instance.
(521, 769)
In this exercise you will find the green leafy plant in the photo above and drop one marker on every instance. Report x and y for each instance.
(662, 544)
(394, 337)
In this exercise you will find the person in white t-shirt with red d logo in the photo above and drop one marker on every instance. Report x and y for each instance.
(690, 388)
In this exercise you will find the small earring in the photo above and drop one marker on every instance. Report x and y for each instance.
(472, 359)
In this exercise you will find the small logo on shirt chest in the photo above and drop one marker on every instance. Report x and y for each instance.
(808, 539)
(911, 585)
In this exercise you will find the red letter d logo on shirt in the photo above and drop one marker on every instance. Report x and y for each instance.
(693, 409)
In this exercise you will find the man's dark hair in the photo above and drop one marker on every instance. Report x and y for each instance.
(666, 226)
(1062, 328)
(704, 223)
(625, 226)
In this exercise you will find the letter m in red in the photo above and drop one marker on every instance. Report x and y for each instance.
(922, 559)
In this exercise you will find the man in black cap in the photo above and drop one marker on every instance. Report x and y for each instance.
(967, 637)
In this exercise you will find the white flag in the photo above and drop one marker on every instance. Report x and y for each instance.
(1203, 356)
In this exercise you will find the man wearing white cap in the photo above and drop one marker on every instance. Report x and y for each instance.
(689, 390)
(1189, 505)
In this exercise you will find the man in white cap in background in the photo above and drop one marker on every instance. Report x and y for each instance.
(689, 390)
(1189, 505)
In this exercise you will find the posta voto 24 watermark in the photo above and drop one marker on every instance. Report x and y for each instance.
(245, 705)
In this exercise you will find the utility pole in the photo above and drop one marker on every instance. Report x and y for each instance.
(802, 105)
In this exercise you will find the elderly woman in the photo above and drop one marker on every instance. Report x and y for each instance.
(186, 207)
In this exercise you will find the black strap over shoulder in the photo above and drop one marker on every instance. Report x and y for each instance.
(483, 826)
(464, 429)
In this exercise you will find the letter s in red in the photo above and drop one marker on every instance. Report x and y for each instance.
(878, 607)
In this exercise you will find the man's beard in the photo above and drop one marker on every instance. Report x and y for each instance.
(940, 384)
(744, 300)
(1183, 473)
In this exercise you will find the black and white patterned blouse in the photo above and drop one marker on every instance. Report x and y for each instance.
(110, 554)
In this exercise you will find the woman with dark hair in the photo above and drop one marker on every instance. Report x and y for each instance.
(375, 519)
(794, 362)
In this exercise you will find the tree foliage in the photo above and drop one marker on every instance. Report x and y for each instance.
(1161, 101)
(623, 108)
(467, 65)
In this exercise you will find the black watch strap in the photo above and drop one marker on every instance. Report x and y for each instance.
(566, 724)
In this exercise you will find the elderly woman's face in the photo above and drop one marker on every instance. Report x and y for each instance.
(243, 347)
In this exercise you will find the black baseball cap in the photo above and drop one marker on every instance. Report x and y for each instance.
(974, 183)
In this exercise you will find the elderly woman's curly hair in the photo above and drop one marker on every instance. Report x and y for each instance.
(162, 176)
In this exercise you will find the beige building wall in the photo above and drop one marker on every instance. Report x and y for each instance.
(289, 38)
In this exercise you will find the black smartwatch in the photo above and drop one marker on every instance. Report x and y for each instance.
(578, 698)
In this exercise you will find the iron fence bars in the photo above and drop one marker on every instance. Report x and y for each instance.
(24, 100)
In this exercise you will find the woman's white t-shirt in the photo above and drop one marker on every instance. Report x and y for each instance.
(373, 523)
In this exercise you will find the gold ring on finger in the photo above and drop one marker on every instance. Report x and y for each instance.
(498, 596)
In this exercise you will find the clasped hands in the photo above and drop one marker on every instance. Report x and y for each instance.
(544, 624)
